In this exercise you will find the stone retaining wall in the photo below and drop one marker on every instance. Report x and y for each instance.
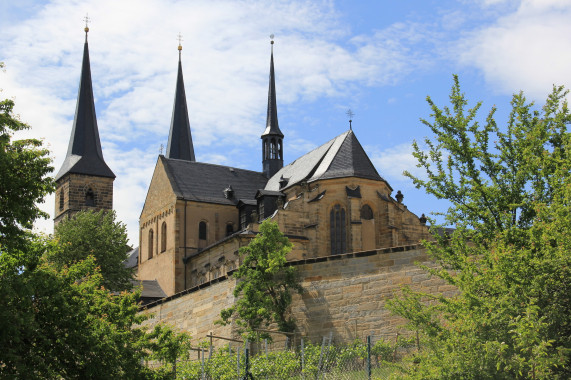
(344, 295)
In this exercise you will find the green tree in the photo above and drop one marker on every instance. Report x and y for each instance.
(265, 285)
(24, 181)
(98, 234)
(62, 323)
(510, 194)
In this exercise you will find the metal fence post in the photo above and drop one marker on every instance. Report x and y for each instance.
(302, 360)
(369, 357)
(202, 375)
(247, 364)
(238, 363)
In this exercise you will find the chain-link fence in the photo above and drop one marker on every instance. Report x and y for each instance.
(375, 357)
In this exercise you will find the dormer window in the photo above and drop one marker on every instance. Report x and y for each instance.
(228, 192)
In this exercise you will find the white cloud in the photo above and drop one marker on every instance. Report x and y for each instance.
(394, 161)
(528, 49)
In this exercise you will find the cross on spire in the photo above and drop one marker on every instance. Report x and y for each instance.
(87, 21)
(350, 114)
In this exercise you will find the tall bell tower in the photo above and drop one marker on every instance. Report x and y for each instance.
(84, 181)
(272, 138)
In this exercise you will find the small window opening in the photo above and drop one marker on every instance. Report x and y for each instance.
(61, 200)
(366, 212)
(202, 231)
(90, 198)
(164, 237)
(229, 229)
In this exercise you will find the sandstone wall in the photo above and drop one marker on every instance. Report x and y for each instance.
(344, 294)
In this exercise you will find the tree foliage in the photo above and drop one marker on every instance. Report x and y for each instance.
(24, 165)
(63, 323)
(510, 194)
(265, 285)
(98, 234)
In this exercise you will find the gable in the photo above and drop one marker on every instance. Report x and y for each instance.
(160, 192)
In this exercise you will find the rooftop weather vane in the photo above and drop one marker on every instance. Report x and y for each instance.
(161, 149)
(272, 41)
(350, 114)
(179, 37)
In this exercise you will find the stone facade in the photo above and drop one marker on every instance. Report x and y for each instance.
(343, 294)
(175, 252)
(76, 192)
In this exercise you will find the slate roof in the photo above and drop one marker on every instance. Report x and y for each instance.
(151, 288)
(132, 259)
(272, 126)
(340, 157)
(198, 181)
(84, 155)
(180, 139)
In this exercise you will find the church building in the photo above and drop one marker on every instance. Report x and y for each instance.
(197, 215)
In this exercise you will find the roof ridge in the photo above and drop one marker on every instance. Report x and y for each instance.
(211, 164)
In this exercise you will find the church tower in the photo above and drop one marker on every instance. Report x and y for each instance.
(272, 138)
(84, 181)
(180, 139)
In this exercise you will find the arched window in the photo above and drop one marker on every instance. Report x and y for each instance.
(273, 149)
(202, 230)
(366, 212)
(90, 197)
(61, 200)
(151, 242)
(229, 229)
(164, 237)
(338, 234)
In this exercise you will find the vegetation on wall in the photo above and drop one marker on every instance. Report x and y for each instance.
(265, 285)
(510, 194)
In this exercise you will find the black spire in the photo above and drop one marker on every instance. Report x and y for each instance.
(84, 155)
(272, 138)
(180, 139)
(272, 126)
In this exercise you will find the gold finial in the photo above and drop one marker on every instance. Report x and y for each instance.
(87, 20)
(179, 41)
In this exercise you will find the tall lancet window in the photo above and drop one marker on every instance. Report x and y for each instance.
(164, 237)
(151, 243)
(338, 230)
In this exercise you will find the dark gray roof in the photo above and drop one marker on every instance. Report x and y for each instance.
(180, 139)
(272, 126)
(198, 181)
(151, 288)
(132, 258)
(262, 192)
(340, 157)
(84, 155)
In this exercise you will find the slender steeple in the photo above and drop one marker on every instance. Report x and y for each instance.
(84, 181)
(180, 139)
(84, 155)
(272, 138)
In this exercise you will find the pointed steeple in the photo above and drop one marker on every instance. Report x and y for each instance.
(180, 139)
(272, 138)
(84, 155)
(272, 126)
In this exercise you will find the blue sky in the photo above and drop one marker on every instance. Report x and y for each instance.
(379, 58)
